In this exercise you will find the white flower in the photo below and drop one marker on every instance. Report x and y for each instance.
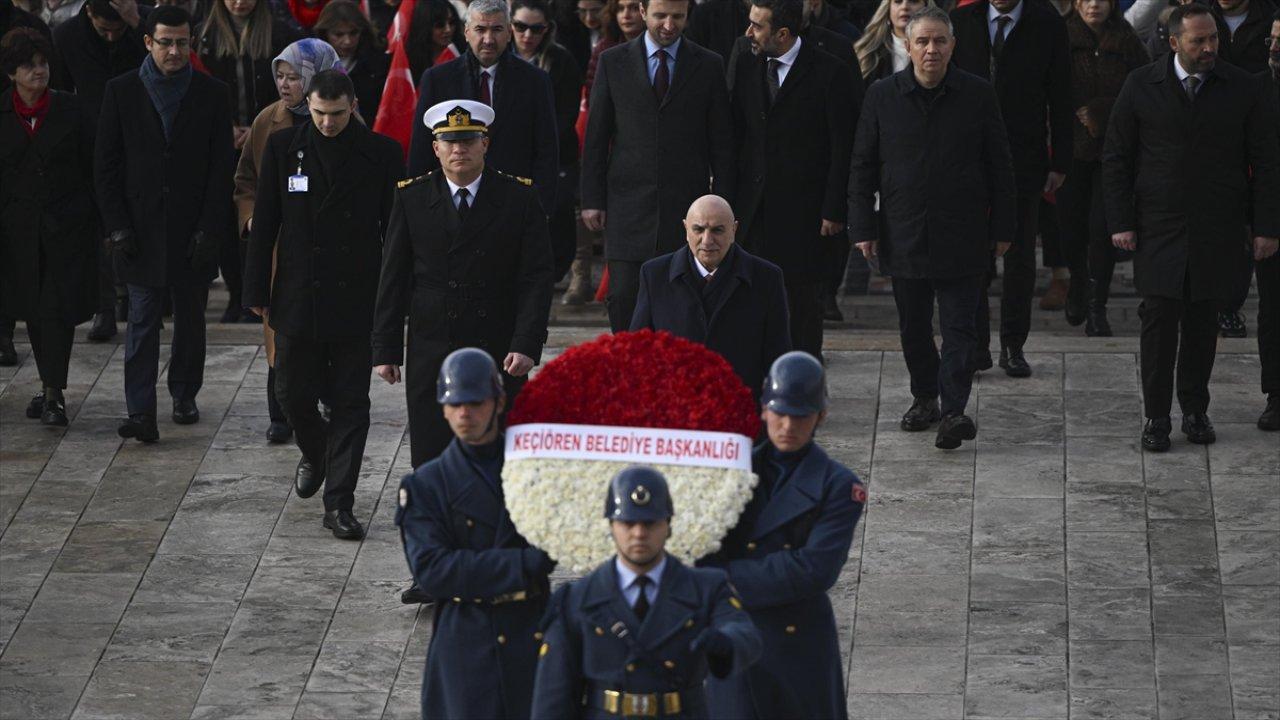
(558, 505)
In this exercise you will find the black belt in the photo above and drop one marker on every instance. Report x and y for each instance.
(625, 704)
(517, 596)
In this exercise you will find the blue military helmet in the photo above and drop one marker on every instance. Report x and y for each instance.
(638, 494)
(466, 376)
(796, 385)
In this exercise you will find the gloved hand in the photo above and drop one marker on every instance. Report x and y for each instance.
(123, 242)
(713, 642)
(202, 250)
(536, 563)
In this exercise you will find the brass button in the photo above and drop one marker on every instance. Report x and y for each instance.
(479, 600)
(599, 631)
(791, 629)
(688, 623)
(669, 664)
(471, 523)
(457, 600)
(631, 667)
(786, 546)
(537, 636)
(751, 546)
(502, 639)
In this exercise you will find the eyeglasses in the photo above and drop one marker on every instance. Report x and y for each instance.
(166, 43)
(536, 29)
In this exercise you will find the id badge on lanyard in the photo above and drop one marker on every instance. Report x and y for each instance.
(298, 182)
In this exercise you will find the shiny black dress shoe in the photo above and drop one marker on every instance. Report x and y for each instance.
(35, 408)
(308, 478)
(1198, 429)
(344, 525)
(1077, 304)
(416, 596)
(103, 327)
(1096, 323)
(1014, 363)
(1269, 420)
(185, 412)
(139, 427)
(8, 353)
(1231, 325)
(831, 309)
(953, 430)
(279, 432)
(54, 411)
(1155, 436)
(922, 414)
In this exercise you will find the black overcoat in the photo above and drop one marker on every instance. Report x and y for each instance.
(523, 137)
(48, 222)
(747, 324)
(251, 86)
(1246, 47)
(944, 176)
(644, 162)
(164, 190)
(91, 61)
(793, 157)
(328, 240)
(717, 24)
(369, 76)
(1033, 82)
(1177, 173)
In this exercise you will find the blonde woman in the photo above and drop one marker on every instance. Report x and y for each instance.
(882, 49)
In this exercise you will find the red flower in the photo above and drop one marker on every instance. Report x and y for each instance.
(639, 379)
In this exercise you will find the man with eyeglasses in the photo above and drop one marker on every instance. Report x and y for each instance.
(163, 169)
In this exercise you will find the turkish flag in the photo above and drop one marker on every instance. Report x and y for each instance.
(399, 97)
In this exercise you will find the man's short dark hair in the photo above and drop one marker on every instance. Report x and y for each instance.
(20, 46)
(167, 15)
(687, 3)
(787, 14)
(1182, 12)
(102, 10)
(332, 85)
(1276, 18)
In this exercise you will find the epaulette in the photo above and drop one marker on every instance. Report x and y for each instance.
(517, 178)
(413, 180)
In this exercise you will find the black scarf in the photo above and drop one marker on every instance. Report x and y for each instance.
(166, 91)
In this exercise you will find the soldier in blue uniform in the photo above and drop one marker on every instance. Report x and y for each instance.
(638, 636)
(490, 586)
(786, 552)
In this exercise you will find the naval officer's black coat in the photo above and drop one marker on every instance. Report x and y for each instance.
(484, 282)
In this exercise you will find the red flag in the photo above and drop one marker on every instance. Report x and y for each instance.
(399, 97)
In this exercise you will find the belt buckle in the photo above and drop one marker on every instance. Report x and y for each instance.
(671, 703)
(612, 702)
(640, 704)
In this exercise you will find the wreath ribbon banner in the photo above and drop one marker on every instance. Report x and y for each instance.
(650, 446)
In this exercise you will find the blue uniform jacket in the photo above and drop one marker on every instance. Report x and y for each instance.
(595, 643)
(782, 557)
(464, 551)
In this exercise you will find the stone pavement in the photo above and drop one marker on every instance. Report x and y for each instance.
(1048, 570)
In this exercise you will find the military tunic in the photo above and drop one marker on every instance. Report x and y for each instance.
(783, 556)
(595, 645)
(490, 586)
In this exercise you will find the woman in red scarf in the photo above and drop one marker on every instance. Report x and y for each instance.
(48, 222)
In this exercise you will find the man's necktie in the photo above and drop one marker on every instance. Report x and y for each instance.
(464, 206)
(485, 96)
(772, 79)
(641, 608)
(661, 77)
(1192, 86)
(997, 45)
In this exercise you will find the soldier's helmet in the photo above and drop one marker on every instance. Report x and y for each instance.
(468, 375)
(638, 494)
(796, 385)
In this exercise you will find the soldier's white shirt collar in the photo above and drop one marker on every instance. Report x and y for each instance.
(472, 189)
(627, 580)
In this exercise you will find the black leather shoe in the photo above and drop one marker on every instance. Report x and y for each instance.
(279, 432)
(980, 361)
(55, 408)
(344, 525)
(103, 327)
(1096, 323)
(1231, 325)
(308, 478)
(1269, 420)
(1077, 304)
(831, 309)
(185, 412)
(139, 427)
(953, 430)
(1198, 429)
(1155, 436)
(8, 353)
(1014, 363)
(416, 596)
(922, 414)
(35, 408)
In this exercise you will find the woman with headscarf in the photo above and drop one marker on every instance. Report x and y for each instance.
(293, 70)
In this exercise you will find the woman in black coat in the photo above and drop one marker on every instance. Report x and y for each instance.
(343, 26)
(48, 221)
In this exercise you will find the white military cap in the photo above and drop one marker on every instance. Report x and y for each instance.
(458, 119)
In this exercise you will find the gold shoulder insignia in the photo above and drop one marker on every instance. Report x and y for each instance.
(735, 602)
(517, 178)
(413, 180)
(544, 649)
